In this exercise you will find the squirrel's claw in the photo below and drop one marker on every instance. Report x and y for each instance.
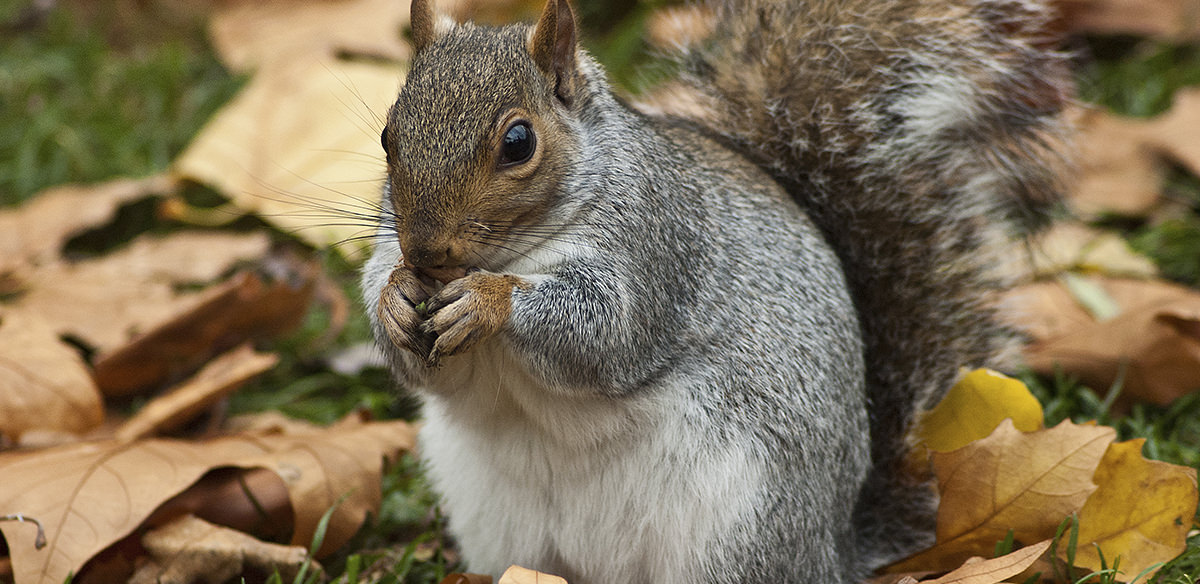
(468, 310)
(398, 315)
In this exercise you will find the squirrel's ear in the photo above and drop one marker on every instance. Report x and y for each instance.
(553, 48)
(423, 24)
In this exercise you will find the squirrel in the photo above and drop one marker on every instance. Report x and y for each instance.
(688, 346)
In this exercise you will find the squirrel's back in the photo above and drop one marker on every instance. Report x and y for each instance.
(918, 135)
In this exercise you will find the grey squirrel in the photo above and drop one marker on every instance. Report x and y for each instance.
(688, 346)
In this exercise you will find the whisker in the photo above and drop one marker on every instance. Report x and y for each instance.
(572, 239)
(505, 248)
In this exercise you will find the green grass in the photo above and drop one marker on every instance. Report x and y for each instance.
(76, 107)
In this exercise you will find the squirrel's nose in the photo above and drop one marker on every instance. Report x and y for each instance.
(420, 256)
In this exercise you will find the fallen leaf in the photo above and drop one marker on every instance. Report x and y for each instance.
(254, 501)
(276, 33)
(1163, 19)
(1119, 170)
(299, 146)
(1024, 482)
(973, 408)
(91, 495)
(492, 12)
(107, 301)
(519, 575)
(245, 307)
(1074, 246)
(1141, 512)
(34, 233)
(994, 570)
(44, 383)
(1124, 161)
(319, 468)
(216, 380)
(1152, 345)
(1175, 131)
(191, 550)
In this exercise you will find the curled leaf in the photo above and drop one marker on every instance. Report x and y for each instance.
(994, 570)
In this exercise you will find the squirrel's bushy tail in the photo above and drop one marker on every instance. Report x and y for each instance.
(914, 132)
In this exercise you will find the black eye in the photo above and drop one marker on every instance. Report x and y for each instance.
(383, 141)
(519, 144)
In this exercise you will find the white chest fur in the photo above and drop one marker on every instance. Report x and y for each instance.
(624, 491)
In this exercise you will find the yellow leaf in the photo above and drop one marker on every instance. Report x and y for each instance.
(975, 406)
(1141, 511)
(1011, 480)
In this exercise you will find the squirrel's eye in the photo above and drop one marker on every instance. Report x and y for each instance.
(383, 140)
(519, 144)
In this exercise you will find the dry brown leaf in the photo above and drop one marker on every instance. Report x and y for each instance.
(44, 384)
(215, 381)
(1123, 161)
(245, 307)
(90, 495)
(33, 233)
(1074, 246)
(316, 476)
(191, 550)
(107, 301)
(519, 575)
(254, 501)
(1153, 345)
(1175, 131)
(492, 12)
(299, 146)
(271, 421)
(1141, 512)
(275, 33)
(1164, 19)
(1024, 482)
(1119, 172)
(994, 570)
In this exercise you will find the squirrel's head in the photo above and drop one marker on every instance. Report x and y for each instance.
(478, 140)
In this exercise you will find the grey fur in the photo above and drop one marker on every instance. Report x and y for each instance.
(758, 360)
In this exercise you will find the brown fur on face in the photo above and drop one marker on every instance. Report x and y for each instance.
(455, 204)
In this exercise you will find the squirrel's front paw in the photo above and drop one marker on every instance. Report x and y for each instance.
(398, 312)
(468, 310)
